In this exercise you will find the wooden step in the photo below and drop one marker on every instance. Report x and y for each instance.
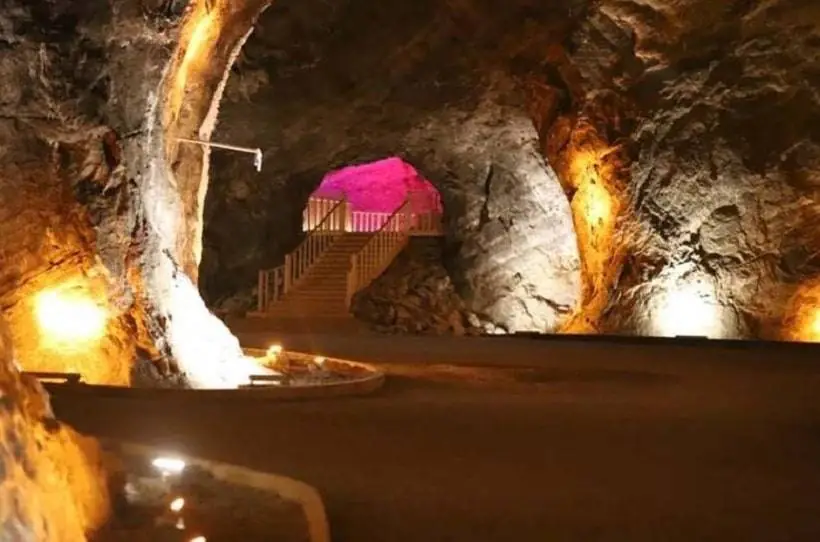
(307, 314)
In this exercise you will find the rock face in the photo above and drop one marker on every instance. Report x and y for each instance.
(99, 199)
(53, 487)
(721, 189)
(415, 295)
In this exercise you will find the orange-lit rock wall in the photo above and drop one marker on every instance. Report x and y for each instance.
(53, 486)
(90, 208)
(589, 168)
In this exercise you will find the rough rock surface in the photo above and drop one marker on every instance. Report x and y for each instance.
(247, 228)
(415, 295)
(684, 134)
(53, 487)
(96, 192)
(721, 188)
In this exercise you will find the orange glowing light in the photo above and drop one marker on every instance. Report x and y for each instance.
(274, 350)
(195, 52)
(597, 204)
(69, 317)
(813, 328)
(583, 168)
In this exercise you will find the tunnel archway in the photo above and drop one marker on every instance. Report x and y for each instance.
(510, 245)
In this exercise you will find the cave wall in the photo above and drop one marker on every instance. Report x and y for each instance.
(68, 209)
(511, 244)
(683, 135)
(97, 196)
(694, 122)
(416, 295)
(53, 485)
(720, 197)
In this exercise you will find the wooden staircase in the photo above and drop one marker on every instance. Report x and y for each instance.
(323, 290)
(342, 253)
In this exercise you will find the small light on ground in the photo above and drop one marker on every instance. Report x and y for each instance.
(274, 350)
(180, 524)
(177, 504)
(319, 360)
(198, 539)
(688, 309)
(169, 465)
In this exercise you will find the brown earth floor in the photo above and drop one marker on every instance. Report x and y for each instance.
(525, 440)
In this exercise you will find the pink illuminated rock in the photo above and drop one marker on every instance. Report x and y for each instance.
(380, 186)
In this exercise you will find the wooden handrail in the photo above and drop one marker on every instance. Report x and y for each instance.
(275, 283)
(313, 245)
(326, 218)
(379, 251)
(425, 208)
(271, 287)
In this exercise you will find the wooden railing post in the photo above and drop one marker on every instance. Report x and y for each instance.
(288, 272)
(260, 292)
(351, 281)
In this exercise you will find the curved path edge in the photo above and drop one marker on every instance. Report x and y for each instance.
(290, 489)
(372, 380)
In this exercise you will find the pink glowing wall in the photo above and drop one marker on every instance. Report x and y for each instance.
(380, 186)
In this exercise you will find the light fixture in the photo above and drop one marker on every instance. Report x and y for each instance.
(69, 317)
(688, 309)
(198, 539)
(256, 152)
(319, 360)
(177, 504)
(274, 350)
(169, 465)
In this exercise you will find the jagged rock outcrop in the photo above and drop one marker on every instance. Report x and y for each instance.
(415, 295)
(53, 486)
(720, 192)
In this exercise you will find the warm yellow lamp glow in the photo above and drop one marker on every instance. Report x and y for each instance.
(811, 329)
(597, 204)
(204, 28)
(69, 318)
(168, 465)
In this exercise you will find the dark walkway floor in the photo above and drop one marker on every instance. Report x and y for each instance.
(527, 441)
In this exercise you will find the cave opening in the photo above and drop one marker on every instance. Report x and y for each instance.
(374, 191)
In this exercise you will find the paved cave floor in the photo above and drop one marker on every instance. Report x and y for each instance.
(512, 439)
